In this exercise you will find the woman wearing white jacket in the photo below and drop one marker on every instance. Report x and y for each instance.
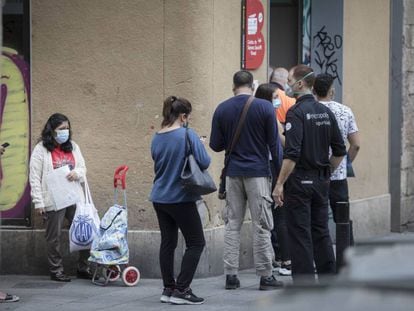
(56, 149)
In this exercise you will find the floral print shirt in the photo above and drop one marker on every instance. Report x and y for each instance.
(347, 125)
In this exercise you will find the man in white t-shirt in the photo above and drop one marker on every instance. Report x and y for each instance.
(338, 190)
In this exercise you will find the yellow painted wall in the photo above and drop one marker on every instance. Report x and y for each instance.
(365, 90)
(101, 63)
(109, 64)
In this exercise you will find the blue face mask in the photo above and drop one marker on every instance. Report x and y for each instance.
(62, 136)
(276, 102)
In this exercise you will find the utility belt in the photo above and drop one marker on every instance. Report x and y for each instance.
(323, 173)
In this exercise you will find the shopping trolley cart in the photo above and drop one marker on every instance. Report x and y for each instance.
(109, 251)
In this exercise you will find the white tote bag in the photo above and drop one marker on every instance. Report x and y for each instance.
(85, 224)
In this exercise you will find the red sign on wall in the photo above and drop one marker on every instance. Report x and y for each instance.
(253, 43)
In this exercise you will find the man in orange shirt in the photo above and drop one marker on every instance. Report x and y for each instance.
(279, 78)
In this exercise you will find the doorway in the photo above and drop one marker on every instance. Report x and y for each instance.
(285, 33)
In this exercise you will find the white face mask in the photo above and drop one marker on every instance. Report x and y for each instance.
(289, 89)
(62, 136)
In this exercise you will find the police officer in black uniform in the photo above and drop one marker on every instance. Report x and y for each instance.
(311, 128)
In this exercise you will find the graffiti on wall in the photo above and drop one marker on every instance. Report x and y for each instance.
(14, 129)
(327, 52)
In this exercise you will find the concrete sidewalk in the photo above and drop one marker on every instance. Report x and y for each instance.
(348, 292)
(40, 293)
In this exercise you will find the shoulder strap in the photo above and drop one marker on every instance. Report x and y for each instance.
(238, 129)
(188, 148)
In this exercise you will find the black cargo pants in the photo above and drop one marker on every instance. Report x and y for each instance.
(306, 202)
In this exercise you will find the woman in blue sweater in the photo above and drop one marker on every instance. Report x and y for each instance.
(175, 207)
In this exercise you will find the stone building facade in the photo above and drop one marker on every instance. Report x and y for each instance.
(109, 64)
(407, 139)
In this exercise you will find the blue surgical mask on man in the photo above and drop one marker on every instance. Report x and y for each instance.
(276, 102)
(62, 136)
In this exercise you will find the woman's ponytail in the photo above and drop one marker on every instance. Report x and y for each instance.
(173, 107)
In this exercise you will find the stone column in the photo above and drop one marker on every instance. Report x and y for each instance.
(407, 161)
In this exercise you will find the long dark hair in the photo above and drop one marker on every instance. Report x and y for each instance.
(48, 133)
(265, 91)
(173, 107)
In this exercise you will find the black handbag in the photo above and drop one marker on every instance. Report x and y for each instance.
(222, 186)
(193, 178)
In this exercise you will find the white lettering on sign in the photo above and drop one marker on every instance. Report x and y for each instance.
(252, 25)
(254, 48)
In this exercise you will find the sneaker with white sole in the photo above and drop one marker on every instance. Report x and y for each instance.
(185, 297)
(276, 265)
(166, 294)
(285, 269)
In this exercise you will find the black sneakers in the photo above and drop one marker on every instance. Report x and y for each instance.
(59, 277)
(269, 283)
(232, 281)
(185, 297)
(166, 295)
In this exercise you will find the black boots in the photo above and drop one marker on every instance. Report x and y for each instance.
(232, 281)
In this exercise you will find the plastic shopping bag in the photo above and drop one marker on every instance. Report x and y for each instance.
(85, 224)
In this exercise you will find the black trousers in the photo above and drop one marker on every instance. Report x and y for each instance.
(279, 233)
(280, 237)
(306, 203)
(338, 192)
(183, 216)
